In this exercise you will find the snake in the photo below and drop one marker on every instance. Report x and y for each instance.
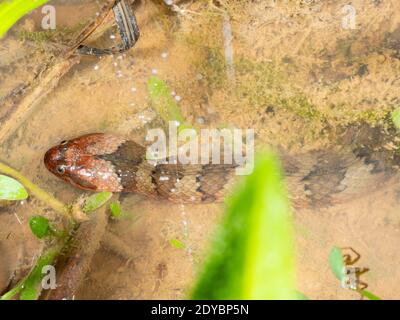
(366, 158)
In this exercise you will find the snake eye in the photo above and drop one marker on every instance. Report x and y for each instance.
(64, 142)
(60, 169)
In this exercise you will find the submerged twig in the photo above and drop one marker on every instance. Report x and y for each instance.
(84, 243)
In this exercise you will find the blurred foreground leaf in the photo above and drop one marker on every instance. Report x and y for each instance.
(95, 201)
(252, 256)
(11, 189)
(12, 10)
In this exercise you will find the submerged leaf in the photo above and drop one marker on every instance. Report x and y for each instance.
(31, 286)
(177, 244)
(115, 209)
(11, 189)
(164, 103)
(40, 226)
(336, 262)
(252, 256)
(369, 295)
(95, 201)
(396, 117)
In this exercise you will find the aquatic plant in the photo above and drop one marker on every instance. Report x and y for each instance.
(14, 186)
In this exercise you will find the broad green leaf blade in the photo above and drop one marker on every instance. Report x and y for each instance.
(369, 295)
(164, 103)
(252, 256)
(11, 189)
(396, 117)
(95, 201)
(40, 226)
(336, 262)
(12, 10)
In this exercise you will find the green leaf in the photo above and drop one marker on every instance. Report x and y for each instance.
(11, 189)
(252, 255)
(369, 295)
(115, 208)
(396, 117)
(95, 201)
(12, 10)
(40, 226)
(164, 103)
(177, 244)
(336, 262)
(30, 288)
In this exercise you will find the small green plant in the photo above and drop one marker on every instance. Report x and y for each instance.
(13, 186)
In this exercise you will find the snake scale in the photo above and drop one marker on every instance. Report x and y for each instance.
(366, 157)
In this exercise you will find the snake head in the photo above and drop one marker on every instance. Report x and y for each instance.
(65, 161)
(79, 162)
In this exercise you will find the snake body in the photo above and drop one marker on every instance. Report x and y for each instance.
(366, 158)
(107, 162)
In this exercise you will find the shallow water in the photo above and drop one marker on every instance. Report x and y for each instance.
(301, 51)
